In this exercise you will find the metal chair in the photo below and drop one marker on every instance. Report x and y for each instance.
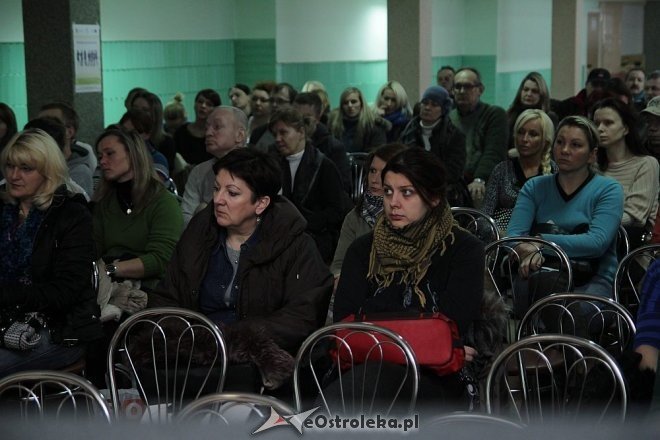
(479, 224)
(358, 166)
(502, 267)
(473, 421)
(170, 355)
(45, 394)
(630, 273)
(601, 320)
(226, 408)
(622, 243)
(546, 378)
(357, 387)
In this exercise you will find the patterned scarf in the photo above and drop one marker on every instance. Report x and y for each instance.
(16, 242)
(372, 206)
(408, 250)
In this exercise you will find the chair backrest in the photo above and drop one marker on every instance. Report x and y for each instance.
(358, 168)
(96, 277)
(601, 320)
(44, 395)
(170, 355)
(171, 186)
(479, 224)
(357, 388)
(622, 243)
(630, 273)
(546, 378)
(225, 408)
(480, 423)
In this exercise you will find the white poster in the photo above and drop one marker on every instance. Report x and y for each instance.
(87, 56)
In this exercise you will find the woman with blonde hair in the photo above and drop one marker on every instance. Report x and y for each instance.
(533, 133)
(356, 125)
(45, 266)
(137, 222)
(392, 104)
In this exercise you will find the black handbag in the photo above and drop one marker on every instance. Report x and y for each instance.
(583, 268)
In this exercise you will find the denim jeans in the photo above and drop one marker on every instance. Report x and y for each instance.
(46, 356)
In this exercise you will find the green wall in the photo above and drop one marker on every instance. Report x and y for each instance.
(12, 79)
(368, 76)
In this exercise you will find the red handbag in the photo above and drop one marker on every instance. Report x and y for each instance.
(433, 338)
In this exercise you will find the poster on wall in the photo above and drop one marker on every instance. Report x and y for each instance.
(87, 56)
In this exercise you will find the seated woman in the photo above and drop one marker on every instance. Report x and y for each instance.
(361, 219)
(392, 104)
(245, 260)
(416, 258)
(46, 259)
(137, 222)
(575, 208)
(310, 180)
(622, 157)
(533, 141)
(189, 137)
(356, 125)
(150, 104)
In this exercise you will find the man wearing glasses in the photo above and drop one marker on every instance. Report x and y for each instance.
(485, 129)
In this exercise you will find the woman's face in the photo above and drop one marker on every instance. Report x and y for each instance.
(611, 129)
(635, 81)
(113, 160)
(571, 150)
(260, 103)
(388, 101)
(239, 98)
(402, 203)
(23, 180)
(288, 140)
(530, 95)
(351, 106)
(142, 105)
(529, 139)
(374, 179)
(203, 108)
(233, 205)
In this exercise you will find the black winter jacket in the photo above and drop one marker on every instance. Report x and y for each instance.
(284, 285)
(62, 256)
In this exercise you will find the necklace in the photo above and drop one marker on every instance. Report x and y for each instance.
(233, 254)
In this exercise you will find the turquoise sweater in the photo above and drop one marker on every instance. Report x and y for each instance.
(150, 234)
(599, 204)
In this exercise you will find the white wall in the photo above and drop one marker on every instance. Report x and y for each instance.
(524, 36)
(480, 27)
(134, 20)
(448, 27)
(11, 21)
(335, 30)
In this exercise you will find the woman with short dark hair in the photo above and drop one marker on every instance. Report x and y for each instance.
(246, 259)
(189, 137)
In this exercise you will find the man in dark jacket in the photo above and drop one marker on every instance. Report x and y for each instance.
(580, 103)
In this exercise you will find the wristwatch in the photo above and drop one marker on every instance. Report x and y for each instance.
(110, 269)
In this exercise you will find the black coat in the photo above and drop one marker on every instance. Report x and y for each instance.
(335, 151)
(62, 256)
(320, 197)
(284, 286)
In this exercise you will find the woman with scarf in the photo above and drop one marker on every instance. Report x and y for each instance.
(417, 259)
(392, 104)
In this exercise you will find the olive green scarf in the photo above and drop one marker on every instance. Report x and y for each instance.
(408, 250)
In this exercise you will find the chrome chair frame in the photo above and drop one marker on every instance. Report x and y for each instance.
(212, 407)
(357, 161)
(650, 251)
(533, 358)
(564, 303)
(475, 219)
(37, 389)
(328, 334)
(154, 319)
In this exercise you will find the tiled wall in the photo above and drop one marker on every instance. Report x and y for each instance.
(12, 79)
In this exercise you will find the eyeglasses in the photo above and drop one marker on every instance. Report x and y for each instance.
(260, 99)
(458, 87)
